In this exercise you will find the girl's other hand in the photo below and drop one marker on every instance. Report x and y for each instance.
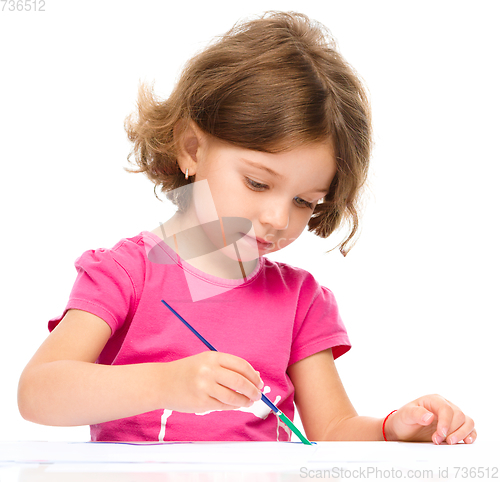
(210, 381)
(431, 418)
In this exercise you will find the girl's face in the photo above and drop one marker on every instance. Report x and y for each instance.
(277, 193)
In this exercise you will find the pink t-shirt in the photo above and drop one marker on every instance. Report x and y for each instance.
(273, 318)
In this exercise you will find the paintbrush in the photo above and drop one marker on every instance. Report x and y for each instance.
(266, 400)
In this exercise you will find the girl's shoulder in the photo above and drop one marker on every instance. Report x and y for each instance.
(116, 272)
(133, 249)
(129, 253)
(292, 276)
(123, 265)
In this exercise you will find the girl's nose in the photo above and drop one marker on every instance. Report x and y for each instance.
(277, 216)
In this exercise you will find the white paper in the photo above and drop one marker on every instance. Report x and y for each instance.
(262, 457)
(228, 453)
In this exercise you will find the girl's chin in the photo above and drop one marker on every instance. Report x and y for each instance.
(243, 252)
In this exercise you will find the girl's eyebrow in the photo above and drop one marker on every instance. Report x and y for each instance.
(265, 168)
(274, 173)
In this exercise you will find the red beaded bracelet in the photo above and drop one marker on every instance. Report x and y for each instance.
(383, 425)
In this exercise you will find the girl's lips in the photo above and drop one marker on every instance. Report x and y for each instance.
(261, 243)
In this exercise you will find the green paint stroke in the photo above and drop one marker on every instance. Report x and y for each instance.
(293, 428)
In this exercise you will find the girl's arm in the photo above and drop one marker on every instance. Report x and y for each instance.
(327, 413)
(62, 385)
(324, 407)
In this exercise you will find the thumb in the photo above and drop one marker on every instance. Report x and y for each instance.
(420, 415)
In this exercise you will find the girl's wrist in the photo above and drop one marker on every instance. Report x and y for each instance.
(387, 428)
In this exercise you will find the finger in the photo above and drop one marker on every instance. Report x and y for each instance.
(463, 430)
(444, 418)
(419, 415)
(239, 384)
(244, 368)
(443, 413)
(230, 397)
(471, 438)
(215, 404)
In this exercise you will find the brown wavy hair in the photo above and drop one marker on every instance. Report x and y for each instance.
(269, 84)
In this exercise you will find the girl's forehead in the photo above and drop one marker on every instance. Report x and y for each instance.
(310, 164)
(314, 150)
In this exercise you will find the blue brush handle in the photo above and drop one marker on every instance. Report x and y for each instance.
(189, 326)
(266, 400)
(270, 404)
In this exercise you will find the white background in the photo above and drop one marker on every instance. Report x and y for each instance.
(419, 291)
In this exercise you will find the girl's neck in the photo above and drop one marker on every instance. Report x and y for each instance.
(188, 245)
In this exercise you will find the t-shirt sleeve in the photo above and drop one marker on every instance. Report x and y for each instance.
(104, 286)
(318, 325)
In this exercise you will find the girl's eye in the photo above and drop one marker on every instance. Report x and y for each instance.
(257, 186)
(303, 203)
(254, 185)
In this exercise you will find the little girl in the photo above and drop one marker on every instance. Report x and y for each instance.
(266, 133)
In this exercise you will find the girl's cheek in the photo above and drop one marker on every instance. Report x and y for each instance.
(281, 243)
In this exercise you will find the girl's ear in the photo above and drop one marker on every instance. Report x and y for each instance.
(188, 138)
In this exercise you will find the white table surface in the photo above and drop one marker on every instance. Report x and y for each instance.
(245, 461)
